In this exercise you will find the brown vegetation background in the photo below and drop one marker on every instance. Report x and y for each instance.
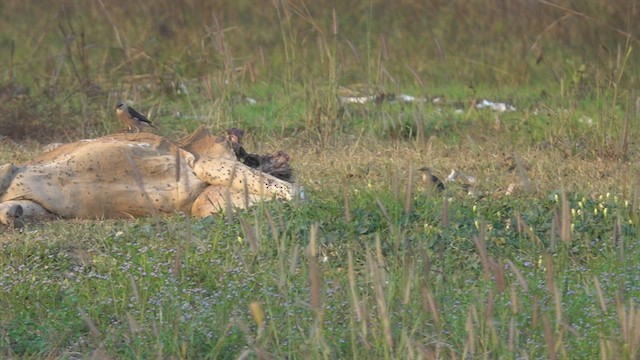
(69, 59)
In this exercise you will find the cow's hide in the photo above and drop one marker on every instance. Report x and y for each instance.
(123, 175)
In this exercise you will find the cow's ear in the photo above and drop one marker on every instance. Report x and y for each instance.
(201, 143)
(7, 172)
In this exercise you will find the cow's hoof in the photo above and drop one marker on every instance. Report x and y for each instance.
(14, 216)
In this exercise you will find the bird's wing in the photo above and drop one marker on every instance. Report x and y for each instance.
(137, 115)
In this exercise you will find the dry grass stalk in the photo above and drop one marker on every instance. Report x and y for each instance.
(379, 254)
(514, 301)
(488, 311)
(472, 319)
(348, 216)
(518, 274)
(624, 135)
(547, 263)
(549, 337)
(385, 213)
(605, 348)
(524, 228)
(257, 313)
(618, 238)
(275, 232)
(359, 308)
(395, 183)
(557, 297)
(353, 289)
(93, 329)
(522, 173)
(511, 341)
(445, 214)
(429, 304)
(408, 199)
(228, 211)
(425, 352)
(134, 328)
(426, 260)
(134, 289)
(419, 118)
(121, 43)
(378, 286)
(601, 301)
(498, 275)
(315, 300)
(250, 235)
(177, 262)
(314, 274)
(551, 285)
(256, 228)
(579, 14)
(408, 284)
(293, 262)
(245, 192)
(565, 218)
(481, 245)
(535, 311)
(282, 259)
(629, 320)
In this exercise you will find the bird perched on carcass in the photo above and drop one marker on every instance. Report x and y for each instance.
(131, 118)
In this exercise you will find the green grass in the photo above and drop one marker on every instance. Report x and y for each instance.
(373, 264)
(182, 287)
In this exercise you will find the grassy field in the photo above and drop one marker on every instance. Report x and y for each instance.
(539, 260)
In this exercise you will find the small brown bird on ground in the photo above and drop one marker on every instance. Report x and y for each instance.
(131, 118)
(431, 180)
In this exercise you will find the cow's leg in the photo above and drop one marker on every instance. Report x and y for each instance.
(14, 212)
(215, 199)
(238, 176)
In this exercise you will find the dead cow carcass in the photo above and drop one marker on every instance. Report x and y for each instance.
(115, 177)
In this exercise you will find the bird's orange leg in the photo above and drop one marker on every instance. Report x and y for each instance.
(136, 135)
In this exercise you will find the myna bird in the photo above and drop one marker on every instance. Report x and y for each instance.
(131, 118)
(431, 180)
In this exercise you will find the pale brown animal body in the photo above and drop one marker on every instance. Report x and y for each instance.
(114, 177)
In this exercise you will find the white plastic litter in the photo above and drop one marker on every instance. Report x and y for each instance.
(496, 106)
(356, 99)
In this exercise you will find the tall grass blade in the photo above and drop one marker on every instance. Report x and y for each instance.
(383, 312)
